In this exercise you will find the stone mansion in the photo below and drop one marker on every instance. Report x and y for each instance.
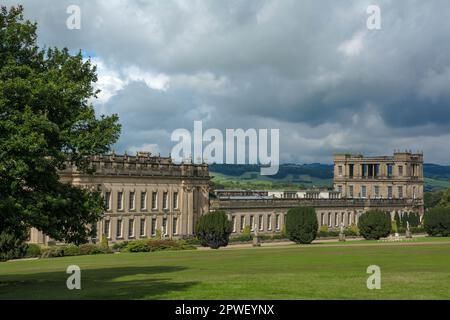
(146, 193)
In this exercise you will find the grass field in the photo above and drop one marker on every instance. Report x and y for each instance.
(418, 270)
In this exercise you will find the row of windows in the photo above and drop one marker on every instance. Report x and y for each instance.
(345, 219)
(143, 200)
(375, 168)
(260, 220)
(376, 191)
(142, 227)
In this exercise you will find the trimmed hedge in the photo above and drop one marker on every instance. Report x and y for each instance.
(214, 229)
(301, 224)
(374, 224)
(157, 245)
(437, 222)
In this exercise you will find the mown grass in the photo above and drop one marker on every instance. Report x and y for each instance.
(419, 270)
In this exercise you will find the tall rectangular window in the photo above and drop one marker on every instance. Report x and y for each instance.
(400, 192)
(175, 226)
(389, 170)
(389, 195)
(107, 229)
(130, 228)
(242, 222)
(261, 222)
(143, 200)
(131, 200)
(350, 191)
(269, 222)
(108, 200)
(154, 200)
(233, 223)
(400, 171)
(153, 227)
(376, 191)
(142, 227)
(252, 223)
(175, 200)
(340, 170)
(119, 229)
(164, 226)
(120, 200)
(165, 202)
(340, 189)
(363, 192)
(277, 222)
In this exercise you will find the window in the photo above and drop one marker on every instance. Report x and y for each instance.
(336, 219)
(154, 200)
(143, 200)
(400, 192)
(350, 191)
(340, 170)
(175, 200)
(107, 229)
(242, 222)
(376, 191)
(389, 192)
(233, 222)
(322, 219)
(119, 229)
(261, 222)
(165, 203)
(351, 170)
(108, 200)
(329, 219)
(142, 227)
(400, 171)
(120, 200)
(269, 222)
(164, 226)
(131, 201)
(389, 170)
(277, 222)
(153, 227)
(252, 223)
(174, 226)
(363, 192)
(130, 228)
(340, 189)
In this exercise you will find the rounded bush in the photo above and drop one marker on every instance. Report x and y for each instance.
(33, 251)
(214, 229)
(374, 224)
(301, 224)
(437, 222)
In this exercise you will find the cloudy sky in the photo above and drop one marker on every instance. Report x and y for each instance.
(309, 68)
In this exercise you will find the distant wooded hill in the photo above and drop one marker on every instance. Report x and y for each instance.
(303, 175)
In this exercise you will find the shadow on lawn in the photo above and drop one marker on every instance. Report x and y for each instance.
(105, 283)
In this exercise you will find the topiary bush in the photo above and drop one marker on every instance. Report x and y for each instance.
(214, 229)
(301, 224)
(374, 224)
(437, 222)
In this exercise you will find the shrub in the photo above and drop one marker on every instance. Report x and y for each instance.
(374, 224)
(89, 248)
(323, 229)
(137, 246)
(353, 229)
(52, 252)
(437, 222)
(70, 250)
(394, 228)
(11, 247)
(192, 240)
(119, 245)
(214, 229)
(33, 251)
(301, 224)
(104, 241)
(158, 234)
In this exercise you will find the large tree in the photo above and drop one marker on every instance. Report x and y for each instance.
(46, 121)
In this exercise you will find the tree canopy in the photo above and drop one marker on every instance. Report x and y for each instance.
(47, 121)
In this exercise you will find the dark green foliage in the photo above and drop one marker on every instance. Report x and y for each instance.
(374, 224)
(214, 229)
(46, 122)
(397, 220)
(437, 222)
(432, 199)
(11, 247)
(301, 224)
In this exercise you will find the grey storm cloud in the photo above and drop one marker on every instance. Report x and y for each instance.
(310, 68)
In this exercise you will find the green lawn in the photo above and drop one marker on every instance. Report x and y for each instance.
(419, 270)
